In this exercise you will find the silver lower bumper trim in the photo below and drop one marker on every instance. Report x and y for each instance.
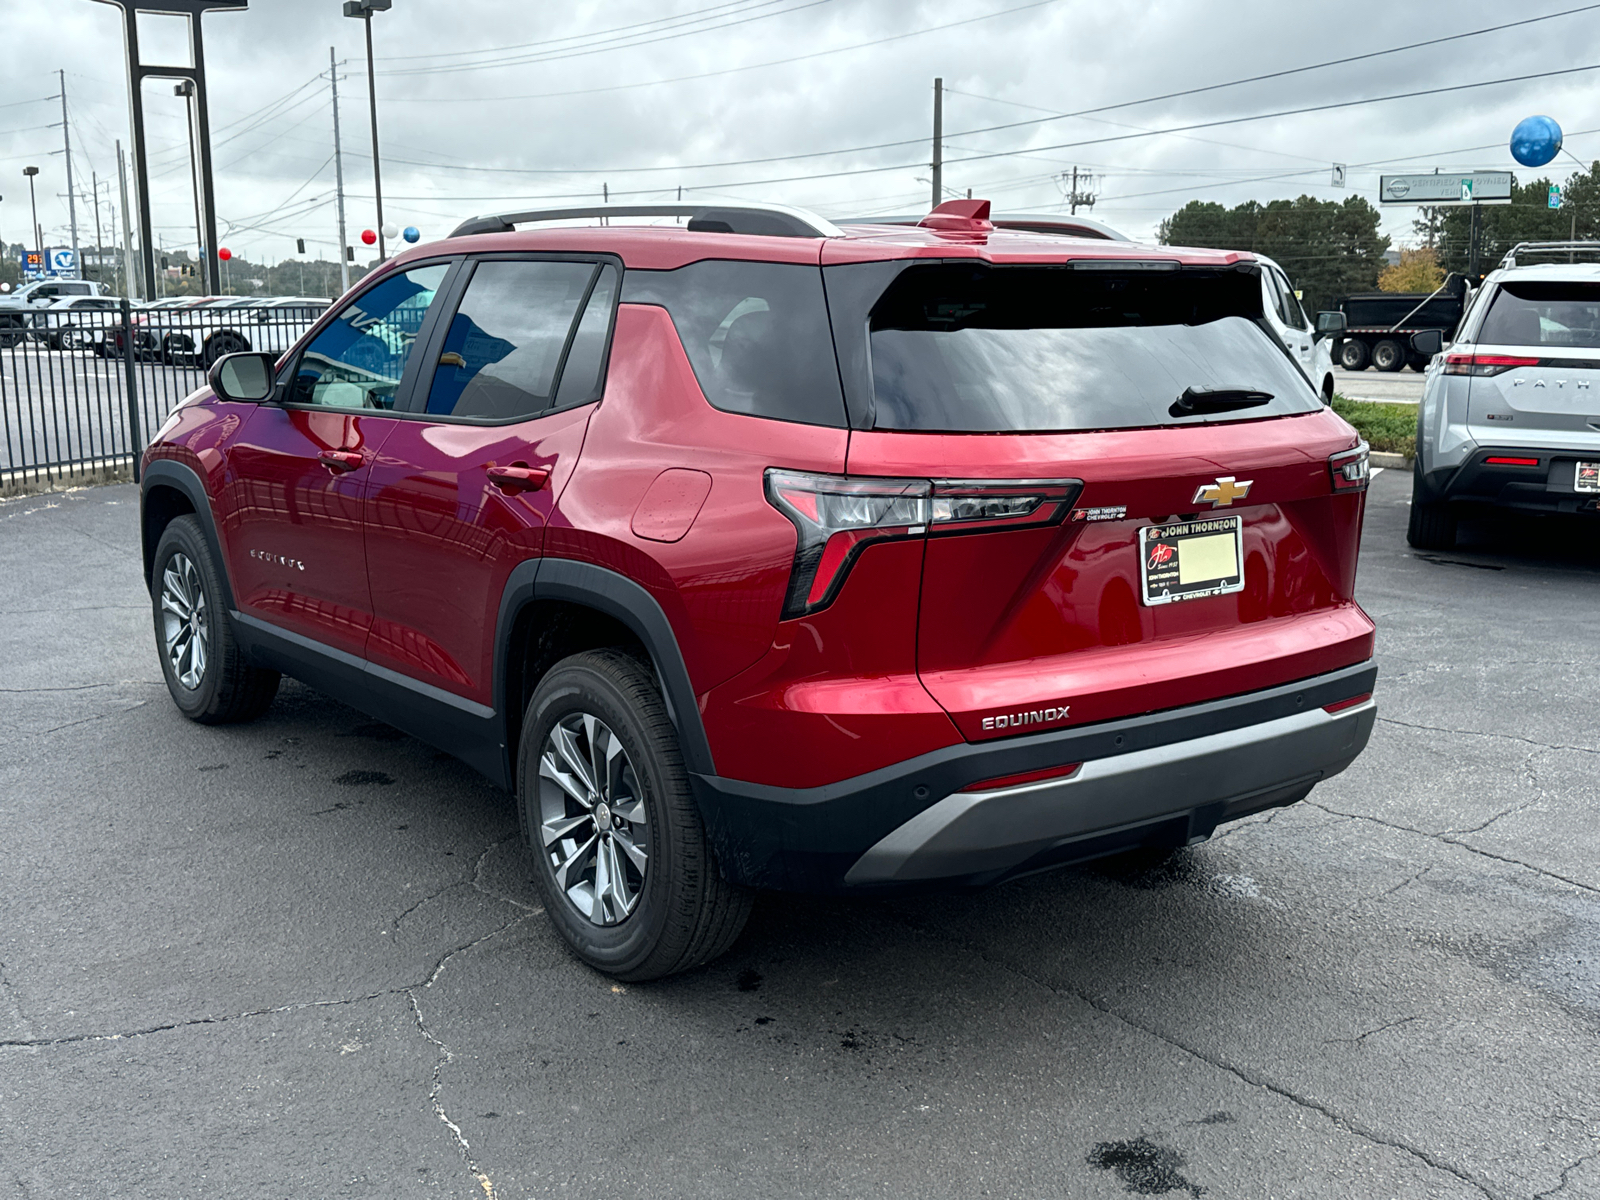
(974, 833)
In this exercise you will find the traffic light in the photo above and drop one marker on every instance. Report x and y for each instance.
(299, 245)
(349, 254)
(165, 264)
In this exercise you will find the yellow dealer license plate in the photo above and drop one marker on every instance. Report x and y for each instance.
(1191, 559)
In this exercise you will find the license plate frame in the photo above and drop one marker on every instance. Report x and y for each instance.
(1161, 581)
(1586, 477)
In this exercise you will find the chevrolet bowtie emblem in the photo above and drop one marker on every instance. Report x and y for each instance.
(1223, 492)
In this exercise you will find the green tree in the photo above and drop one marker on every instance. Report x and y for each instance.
(1328, 248)
(1417, 271)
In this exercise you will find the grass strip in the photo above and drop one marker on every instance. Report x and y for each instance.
(1390, 427)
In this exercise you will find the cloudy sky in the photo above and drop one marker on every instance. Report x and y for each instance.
(492, 105)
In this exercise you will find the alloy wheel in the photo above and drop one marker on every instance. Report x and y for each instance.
(592, 819)
(185, 621)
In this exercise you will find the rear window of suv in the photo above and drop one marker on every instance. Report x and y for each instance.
(1036, 349)
(1544, 314)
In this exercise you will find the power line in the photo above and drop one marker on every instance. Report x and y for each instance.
(777, 62)
(679, 18)
(554, 56)
(615, 170)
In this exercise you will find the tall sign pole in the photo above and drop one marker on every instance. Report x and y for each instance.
(938, 142)
(130, 284)
(138, 72)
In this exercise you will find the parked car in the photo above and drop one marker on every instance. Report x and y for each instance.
(1510, 412)
(74, 322)
(760, 552)
(18, 308)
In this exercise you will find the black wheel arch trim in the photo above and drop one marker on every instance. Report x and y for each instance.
(181, 477)
(616, 596)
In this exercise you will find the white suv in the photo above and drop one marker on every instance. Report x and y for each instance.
(1510, 413)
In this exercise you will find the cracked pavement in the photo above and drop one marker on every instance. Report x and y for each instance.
(305, 958)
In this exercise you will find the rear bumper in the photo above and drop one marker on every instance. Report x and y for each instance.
(1162, 779)
(1546, 487)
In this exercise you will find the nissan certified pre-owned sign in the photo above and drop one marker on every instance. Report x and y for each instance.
(1456, 187)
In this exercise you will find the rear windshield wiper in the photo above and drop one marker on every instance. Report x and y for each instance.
(1213, 400)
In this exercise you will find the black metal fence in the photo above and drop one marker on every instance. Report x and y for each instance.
(82, 388)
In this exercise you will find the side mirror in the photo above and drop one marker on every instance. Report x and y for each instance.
(1331, 323)
(1428, 342)
(246, 377)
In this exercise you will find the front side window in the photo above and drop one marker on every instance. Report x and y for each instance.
(505, 344)
(1544, 314)
(359, 360)
(1037, 349)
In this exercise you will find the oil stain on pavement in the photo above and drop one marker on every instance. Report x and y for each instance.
(1143, 1168)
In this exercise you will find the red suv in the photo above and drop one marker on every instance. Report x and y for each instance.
(755, 552)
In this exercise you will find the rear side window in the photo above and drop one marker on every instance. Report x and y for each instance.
(1544, 314)
(1037, 349)
(756, 334)
(505, 343)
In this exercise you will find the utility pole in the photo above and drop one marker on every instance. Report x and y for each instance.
(938, 141)
(1472, 245)
(364, 9)
(127, 228)
(1075, 198)
(66, 144)
(338, 176)
(1072, 207)
(99, 245)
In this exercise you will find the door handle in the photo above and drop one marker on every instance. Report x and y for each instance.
(340, 461)
(518, 477)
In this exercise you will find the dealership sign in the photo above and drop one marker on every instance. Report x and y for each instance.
(1440, 190)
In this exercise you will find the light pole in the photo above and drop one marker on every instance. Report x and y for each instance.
(364, 9)
(186, 90)
(38, 238)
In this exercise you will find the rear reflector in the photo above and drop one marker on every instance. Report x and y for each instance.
(1341, 705)
(1512, 462)
(1010, 781)
(1485, 364)
(1349, 469)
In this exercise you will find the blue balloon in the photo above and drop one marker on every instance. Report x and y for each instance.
(1535, 141)
(413, 234)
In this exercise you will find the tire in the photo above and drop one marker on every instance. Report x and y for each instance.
(672, 909)
(1353, 355)
(222, 687)
(1432, 525)
(1388, 355)
(175, 346)
(224, 341)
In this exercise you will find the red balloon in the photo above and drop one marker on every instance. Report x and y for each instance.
(224, 254)
(368, 236)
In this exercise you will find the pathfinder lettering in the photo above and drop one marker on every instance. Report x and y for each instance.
(1038, 715)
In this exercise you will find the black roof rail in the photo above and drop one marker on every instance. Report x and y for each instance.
(1571, 249)
(771, 220)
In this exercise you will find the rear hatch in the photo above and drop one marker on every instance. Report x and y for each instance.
(1133, 499)
(1535, 371)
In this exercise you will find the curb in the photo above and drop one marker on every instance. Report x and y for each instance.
(1382, 458)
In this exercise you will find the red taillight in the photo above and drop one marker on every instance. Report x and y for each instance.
(836, 517)
(1341, 705)
(1009, 781)
(1485, 364)
(1501, 461)
(1348, 469)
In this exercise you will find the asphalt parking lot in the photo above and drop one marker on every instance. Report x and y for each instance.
(1396, 387)
(304, 958)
